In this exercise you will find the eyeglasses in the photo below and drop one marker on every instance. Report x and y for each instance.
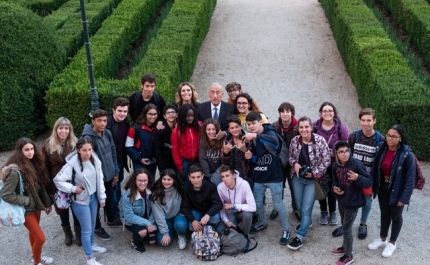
(171, 112)
(242, 103)
(233, 90)
(393, 137)
(343, 152)
(152, 114)
(142, 180)
(327, 111)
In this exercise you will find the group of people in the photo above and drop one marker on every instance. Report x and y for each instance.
(215, 162)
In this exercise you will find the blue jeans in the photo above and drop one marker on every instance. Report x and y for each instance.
(276, 191)
(86, 215)
(213, 220)
(365, 210)
(304, 192)
(179, 223)
(117, 189)
(347, 216)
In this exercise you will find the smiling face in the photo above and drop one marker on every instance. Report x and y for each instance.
(242, 105)
(367, 122)
(28, 151)
(142, 182)
(305, 129)
(85, 152)
(167, 182)
(147, 89)
(170, 115)
(286, 115)
(190, 117)
(196, 179)
(233, 93)
(327, 113)
(151, 116)
(120, 113)
(210, 131)
(234, 129)
(63, 132)
(186, 93)
(215, 94)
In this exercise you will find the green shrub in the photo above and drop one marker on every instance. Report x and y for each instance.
(379, 72)
(41, 7)
(30, 56)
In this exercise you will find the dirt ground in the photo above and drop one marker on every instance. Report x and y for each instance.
(279, 50)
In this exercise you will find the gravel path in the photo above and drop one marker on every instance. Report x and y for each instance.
(279, 50)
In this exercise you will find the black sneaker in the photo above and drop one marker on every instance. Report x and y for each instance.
(337, 232)
(295, 244)
(297, 215)
(362, 231)
(255, 218)
(114, 223)
(101, 233)
(257, 228)
(273, 214)
(138, 246)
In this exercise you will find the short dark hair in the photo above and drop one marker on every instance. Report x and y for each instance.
(253, 116)
(225, 168)
(366, 111)
(170, 106)
(194, 169)
(233, 119)
(305, 118)
(340, 144)
(120, 102)
(99, 113)
(150, 78)
(287, 106)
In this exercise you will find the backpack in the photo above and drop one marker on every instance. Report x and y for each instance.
(419, 177)
(233, 241)
(339, 128)
(206, 244)
(357, 133)
(280, 150)
(154, 95)
(11, 214)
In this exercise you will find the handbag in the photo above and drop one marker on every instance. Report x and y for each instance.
(12, 214)
(319, 193)
(63, 200)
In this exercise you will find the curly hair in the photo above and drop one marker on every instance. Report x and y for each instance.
(131, 183)
(194, 98)
(251, 103)
(211, 143)
(158, 192)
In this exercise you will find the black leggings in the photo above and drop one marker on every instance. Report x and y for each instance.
(330, 197)
(389, 213)
(134, 229)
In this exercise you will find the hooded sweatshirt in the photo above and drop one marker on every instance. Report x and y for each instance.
(170, 209)
(241, 196)
(353, 196)
(210, 159)
(104, 146)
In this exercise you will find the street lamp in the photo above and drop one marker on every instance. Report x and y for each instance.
(93, 89)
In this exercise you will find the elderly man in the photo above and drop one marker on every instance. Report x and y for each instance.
(215, 108)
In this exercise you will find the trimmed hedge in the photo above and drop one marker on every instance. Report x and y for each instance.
(379, 72)
(30, 57)
(414, 18)
(171, 56)
(41, 7)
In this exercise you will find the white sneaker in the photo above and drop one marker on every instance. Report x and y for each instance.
(93, 261)
(377, 243)
(182, 242)
(389, 250)
(98, 249)
(45, 260)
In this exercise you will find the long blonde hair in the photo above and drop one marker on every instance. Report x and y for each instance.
(53, 142)
(194, 99)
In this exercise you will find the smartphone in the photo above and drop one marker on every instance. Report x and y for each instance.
(150, 161)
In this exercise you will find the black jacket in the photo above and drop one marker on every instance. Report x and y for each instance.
(205, 200)
(205, 112)
(112, 126)
(162, 148)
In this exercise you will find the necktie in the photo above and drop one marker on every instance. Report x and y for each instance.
(215, 117)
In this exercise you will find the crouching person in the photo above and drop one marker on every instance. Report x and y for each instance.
(166, 202)
(238, 201)
(200, 201)
(137, 209)
(349, 177)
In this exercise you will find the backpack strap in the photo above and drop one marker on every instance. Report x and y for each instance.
(250, 249)
(339, 130)
(317, 125)
(73, 180)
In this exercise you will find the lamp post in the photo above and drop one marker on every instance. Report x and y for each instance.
(93, 89)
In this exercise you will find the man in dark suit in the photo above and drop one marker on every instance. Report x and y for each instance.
(216, 108)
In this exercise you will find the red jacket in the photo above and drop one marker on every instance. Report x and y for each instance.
(185, 145)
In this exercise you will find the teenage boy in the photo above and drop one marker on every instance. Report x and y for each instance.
(286, 127)
(104, 147)
(233, 90)
(162, 143)
(118, 126)
(349, 178)
(267, 172)
(139, 99)
(238, 201)
(363, 145)
(200, 201)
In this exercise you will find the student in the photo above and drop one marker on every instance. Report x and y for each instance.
(349, 177)
(58, 146)
(140, 140)
(286, 127)
(166, 202)
(148, 95)
(243, 105)
(104, 147)
(27, 162)
(162, 143)
(363, 144)
(200, 201)
(210, 150)
(89, 191)
(185, 140)
(137, 209)
(267, 172)
(233, 89)
(118, 126)
(238, 201)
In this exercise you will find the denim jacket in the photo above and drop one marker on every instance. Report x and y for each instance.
(132, 212)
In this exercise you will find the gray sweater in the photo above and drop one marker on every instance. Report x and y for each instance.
(210, 160)
(169, 210)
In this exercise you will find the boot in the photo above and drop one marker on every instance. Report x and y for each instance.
(68, 236)
(78, 235)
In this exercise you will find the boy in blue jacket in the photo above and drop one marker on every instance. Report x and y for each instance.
(349, 177)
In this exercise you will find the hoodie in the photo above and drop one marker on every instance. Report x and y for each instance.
(205, 200)
(241, 196)
(104, 146)
(353, 196)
